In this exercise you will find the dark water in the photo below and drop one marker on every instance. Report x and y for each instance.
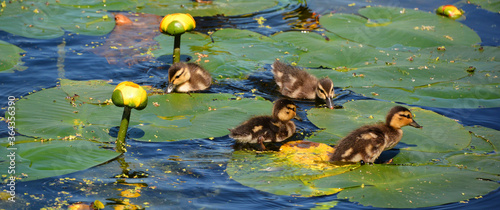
(190, 174)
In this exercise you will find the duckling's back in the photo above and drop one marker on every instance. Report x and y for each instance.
(250, 130)
(363, 144)
(294, 82)
(200, 78)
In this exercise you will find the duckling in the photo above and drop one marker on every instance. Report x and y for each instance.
(275, 128)
(365, 144)
(186, 77)
(297, 83)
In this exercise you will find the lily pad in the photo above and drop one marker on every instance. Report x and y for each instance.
(285, 172)
(233, 54)
(357, 65)
(493, 6)
(182, 116)
(208, 8)
(391, 186)
(487, 163)
(36, 159)
(386, 27)
(479, 89)
(46, 20)
(212, 8)
(289, 172)
(10, 58)
(79, 109)
(434, 137)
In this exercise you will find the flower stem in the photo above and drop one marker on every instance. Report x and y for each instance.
(122, 133)
(177, 49)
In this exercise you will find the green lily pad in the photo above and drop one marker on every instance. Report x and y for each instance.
(488, 135)
(46, 20)
(273, 173)
(482, 145)
(79, 109)
(10, 58)
(434, 137)
(479, 89)
(488, 163)
(391, 186)
(227, 8)
(35, 159)
(212, 8)
(356, 65)
(181, 116)
(493, 6)
(233, 54)
(387, 27)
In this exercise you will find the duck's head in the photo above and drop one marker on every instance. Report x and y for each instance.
(284, 110)
(325, 91)
(177, 74)
(399, 117)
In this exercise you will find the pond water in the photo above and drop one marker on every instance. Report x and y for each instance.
(190, 174)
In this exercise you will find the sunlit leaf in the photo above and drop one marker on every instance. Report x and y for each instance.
(10, 58)
(46, 20)
(493, 6)
(233, 54)
(392, 186)
(35, 159)
(289, 172)
(80, 109)
(387, 27)
(433, 137)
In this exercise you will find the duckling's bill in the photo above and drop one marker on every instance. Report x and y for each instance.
(329, 102)
(415, 124)
(170, 88)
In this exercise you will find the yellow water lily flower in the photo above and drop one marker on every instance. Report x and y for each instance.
(450, 11)
(131, 95)
(177, 23)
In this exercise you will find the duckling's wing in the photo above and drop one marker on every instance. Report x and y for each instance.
(364, 144)
(250, 130)
(294, 82)
(200, 78)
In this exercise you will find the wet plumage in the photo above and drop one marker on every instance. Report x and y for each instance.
(274, 128)
(187, 77)
(297, 83)
(368, 142)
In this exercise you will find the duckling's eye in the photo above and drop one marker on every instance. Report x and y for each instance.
(405, 115)
(177, 77)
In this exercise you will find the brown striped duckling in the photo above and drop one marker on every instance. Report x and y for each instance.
(187, 77)
(365, 144)
(297, 83)
(275, 128)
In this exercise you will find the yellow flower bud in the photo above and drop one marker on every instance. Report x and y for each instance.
(450, 11)
(131, 95)
(177, 23)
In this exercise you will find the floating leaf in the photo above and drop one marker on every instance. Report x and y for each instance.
(361, 66)
(77, 109)
(10, 58)
(488, 163)
(233, 54)
(493, 6)
(387, 27)
(36, 159)
(480, 89)
(285, 172)
(181, 116)
(433, 137)
(392, 186)
(51, 19)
